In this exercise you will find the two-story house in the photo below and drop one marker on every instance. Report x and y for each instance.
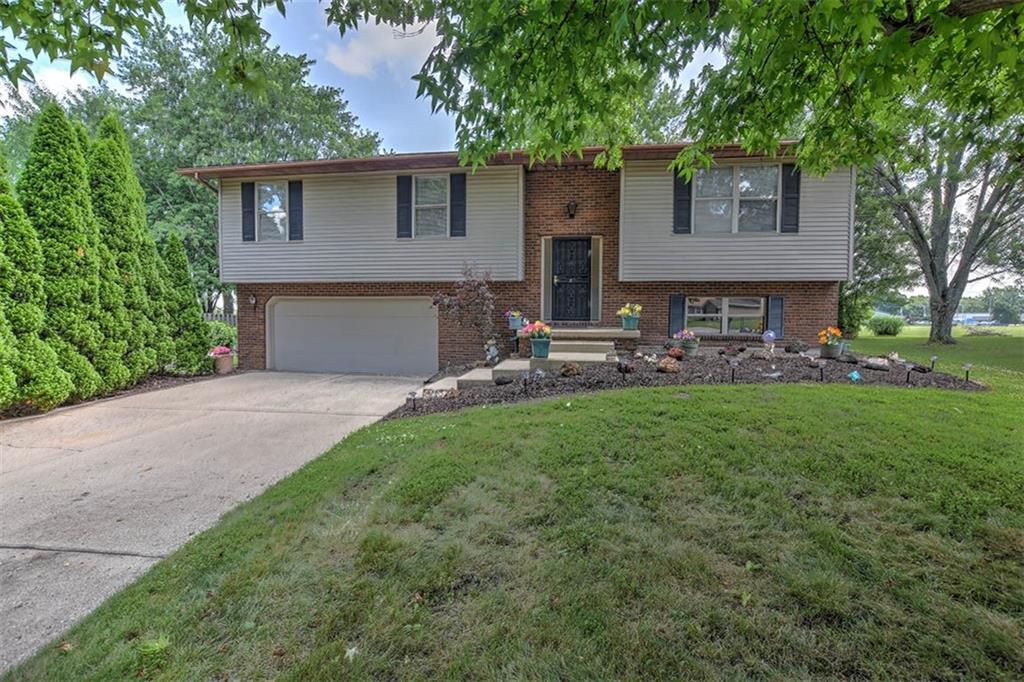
(336, 261)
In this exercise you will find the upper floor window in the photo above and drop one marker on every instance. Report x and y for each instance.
(736, 199)
(272, 212)
(430, 205)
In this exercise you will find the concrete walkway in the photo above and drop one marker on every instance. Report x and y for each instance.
(92, 496)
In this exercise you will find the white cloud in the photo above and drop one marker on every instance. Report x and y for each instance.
(61, 82)
(373, 46)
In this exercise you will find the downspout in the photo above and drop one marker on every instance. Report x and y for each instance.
(198, 178)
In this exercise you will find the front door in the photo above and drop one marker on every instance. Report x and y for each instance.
(570, 278)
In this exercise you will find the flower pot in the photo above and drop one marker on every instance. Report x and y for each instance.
(832, 352)
(515, 322)
(224, 364)
(630, 321)
(540, 347)
(690, 346)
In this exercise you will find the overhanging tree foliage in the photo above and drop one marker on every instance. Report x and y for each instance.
(542, 75)
(54, 191)
(957, 192)
(40, 380)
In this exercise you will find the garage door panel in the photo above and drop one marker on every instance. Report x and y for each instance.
(368, 336)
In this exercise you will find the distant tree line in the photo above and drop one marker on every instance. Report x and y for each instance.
(88, 304)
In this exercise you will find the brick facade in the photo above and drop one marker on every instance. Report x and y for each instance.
(809, 306)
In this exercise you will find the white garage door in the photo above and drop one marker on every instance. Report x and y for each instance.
(360, 335)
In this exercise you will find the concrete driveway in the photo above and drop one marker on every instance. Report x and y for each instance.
(90, 497)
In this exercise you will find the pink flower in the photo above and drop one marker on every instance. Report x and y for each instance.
(217, 351)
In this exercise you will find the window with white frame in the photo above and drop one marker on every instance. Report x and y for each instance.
(430, 206)
(272, 212)
(710, 316)
(737, 198)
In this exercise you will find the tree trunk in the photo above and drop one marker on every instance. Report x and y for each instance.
(229, 301)
(942, 319)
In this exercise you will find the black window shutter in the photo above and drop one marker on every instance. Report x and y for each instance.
(681, 190)
(676, 313)
(295, 210)
(775, 313)
(404, 206)
(248, 212)
(457, 210)
(790, 198)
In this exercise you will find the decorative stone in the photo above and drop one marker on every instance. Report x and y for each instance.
(668, 365)
(796, 347)
(502, 381)
(760, 354)
(880, 364)
(732, 351)
(571, 369)
(676, 353)
(923, 369)
(848, 358)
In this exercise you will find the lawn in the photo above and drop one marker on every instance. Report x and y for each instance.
(791, 531)
(1003, 349)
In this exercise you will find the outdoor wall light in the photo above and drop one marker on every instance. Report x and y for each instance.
(252, 301)
(570, 209)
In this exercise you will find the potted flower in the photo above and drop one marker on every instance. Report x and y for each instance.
(223, 359)
(540, 338)
(514, 319)
(630, 314)
(830, 339)
(687, 340)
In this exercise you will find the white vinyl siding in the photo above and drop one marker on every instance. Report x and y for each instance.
(349, 233)
(650, 251)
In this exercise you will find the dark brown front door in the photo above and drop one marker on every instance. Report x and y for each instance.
(570, 278)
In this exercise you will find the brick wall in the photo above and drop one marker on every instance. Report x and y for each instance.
(809, 306)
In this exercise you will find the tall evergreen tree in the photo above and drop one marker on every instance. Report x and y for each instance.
(40, 380)
(113, 321)
(119, 230)
(54, 191)
(138, 239)
(188, 329)
(8, 381)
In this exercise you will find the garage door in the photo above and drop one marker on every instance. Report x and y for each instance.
(359, 335)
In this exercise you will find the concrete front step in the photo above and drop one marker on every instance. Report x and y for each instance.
(593, 333)
(512, 368)
(481, 376)
(573, 346)
(554, 361)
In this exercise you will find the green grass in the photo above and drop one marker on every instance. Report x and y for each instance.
(1004, 351)
(784, 532)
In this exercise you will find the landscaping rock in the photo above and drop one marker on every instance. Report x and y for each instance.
(705, 371)
(796, 347)
(761, 354)
(880, 364)
(923, 369)
(571, 369)
(732, 351)
(849, 358)
(502, 381)
(668, 365)
(676, 352)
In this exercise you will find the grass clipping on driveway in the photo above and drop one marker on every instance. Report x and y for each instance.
(770, 531)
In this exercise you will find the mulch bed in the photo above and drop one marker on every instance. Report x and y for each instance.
(153, 382)
(784, 369)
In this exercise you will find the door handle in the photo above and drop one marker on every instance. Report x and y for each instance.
(554, 280)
